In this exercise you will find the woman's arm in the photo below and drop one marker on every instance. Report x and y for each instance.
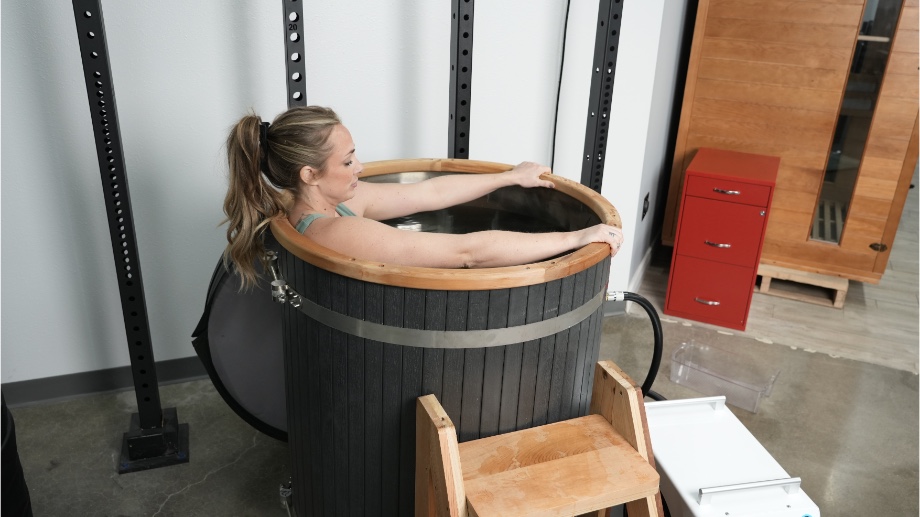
(370, 240)
(380, 201)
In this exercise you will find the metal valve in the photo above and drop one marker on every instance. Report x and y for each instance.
(281, 292)
(279, 285)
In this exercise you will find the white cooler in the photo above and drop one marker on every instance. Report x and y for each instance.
(711, 465)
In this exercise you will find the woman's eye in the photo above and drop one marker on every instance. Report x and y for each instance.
(348, 163)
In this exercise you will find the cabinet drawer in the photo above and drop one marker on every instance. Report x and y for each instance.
(709, 291)
(721, 231)
(728, 190)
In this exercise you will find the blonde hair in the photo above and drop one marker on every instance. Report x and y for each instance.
(296, 138)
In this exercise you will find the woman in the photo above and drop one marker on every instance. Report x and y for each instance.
(308, 153)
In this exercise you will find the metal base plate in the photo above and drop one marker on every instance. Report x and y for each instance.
(145, 449)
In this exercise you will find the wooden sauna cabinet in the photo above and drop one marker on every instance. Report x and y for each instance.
(768, 77)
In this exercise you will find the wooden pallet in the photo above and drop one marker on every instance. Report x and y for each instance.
(830, 291)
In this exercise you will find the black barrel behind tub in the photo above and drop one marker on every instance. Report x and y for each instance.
(501, 348)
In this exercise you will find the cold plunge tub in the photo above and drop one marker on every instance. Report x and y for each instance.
(502, 348)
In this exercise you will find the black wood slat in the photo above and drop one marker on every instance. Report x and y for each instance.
(511, 374)
(326, 398)
(547, 357)
(338, 347)
(590, 355)
(494, 365)
(529, 359)
(452, 392)
(312, 425)
(414, 318)
(373, 402)
(393, 310)
(564, 363)
(473, 366)
(303, 407)
(577, 340)
(356, 390)
(435, 318)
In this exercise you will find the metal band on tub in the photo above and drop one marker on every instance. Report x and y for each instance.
(446, 338)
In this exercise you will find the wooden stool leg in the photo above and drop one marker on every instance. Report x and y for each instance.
(617, 398)
(438, 478)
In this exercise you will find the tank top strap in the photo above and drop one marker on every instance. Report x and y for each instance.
(307, 221)
(344, 210)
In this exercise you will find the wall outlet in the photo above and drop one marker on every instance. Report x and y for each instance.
(645, 207)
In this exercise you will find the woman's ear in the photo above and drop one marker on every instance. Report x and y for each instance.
(308, 175)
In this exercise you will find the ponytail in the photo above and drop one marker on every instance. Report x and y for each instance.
(251, 202)
(265, 161)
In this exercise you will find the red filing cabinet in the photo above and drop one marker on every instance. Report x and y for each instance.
(720, 229)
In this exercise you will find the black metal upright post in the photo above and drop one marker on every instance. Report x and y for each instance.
(461, 75)
(606, 46)
(155, 438)
(294, 52)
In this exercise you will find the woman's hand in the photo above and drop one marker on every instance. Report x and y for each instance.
(527, 175)
(603, 233)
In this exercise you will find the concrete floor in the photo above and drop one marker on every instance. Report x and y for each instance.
(848, 429)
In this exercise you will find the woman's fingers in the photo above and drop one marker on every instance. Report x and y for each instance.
(613, 236)
(528, 175)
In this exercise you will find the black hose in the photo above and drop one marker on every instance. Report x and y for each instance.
(658, 344)
(565, 30)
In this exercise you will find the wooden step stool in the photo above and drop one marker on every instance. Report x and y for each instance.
(566, 468)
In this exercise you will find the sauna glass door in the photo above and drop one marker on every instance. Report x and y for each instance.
(858, 108)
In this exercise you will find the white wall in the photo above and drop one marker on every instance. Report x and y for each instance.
(517, 46)
(641, 106)
(183, 73)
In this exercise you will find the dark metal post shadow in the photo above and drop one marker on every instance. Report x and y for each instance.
(155, 437)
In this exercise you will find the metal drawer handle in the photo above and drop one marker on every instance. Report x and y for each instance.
(717, 245)
(727, 192)
(706, 302)
(790, 485)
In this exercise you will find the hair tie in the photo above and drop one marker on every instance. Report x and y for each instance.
(263, 145)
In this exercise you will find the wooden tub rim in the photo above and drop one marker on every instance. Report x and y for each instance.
(454, 279)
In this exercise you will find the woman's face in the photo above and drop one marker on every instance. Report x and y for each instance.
(339, 178)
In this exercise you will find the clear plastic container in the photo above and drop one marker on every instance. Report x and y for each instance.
(715, 371)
